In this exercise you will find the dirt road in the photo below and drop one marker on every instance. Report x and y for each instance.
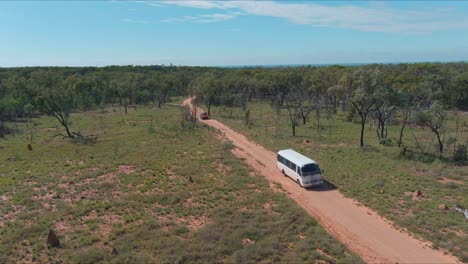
(359, 228)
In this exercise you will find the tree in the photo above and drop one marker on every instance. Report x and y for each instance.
(386, 101)
(405, 109)
(82, 89)
(18, 94)
(125, 87)
(167, 83)
(54, 97)
(207, 88)
(321, 80)
(279, 81)
(435, 118)
(347, 83)
(460, 91)
(307, 87)
(361, 95)
(295, 98)
(336, 93)
(413, 94)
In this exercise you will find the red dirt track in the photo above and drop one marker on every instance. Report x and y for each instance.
(362, 230)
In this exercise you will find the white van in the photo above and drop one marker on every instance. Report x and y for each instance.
(304, 171)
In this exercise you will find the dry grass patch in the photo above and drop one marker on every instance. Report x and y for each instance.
(11, 215)
(190, 203)
(269, 207)
(323, 253)
(447, 180)
(5, 197)
(194, 223)
(247, 242)
(127, 169)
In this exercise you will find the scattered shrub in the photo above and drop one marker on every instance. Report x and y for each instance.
(460, 152)
(386, 142)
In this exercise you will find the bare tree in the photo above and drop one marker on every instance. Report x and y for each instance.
(361, 96)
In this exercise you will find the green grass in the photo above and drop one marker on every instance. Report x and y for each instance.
(376, 176)
(127, 187)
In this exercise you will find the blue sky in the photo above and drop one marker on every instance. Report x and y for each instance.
(98, 33)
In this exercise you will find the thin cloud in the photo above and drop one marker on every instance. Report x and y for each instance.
(375, 17)
(134, 21)
(208, 18)
(194, 4)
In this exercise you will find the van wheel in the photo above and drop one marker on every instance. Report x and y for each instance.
(298, 182)
(284, 173)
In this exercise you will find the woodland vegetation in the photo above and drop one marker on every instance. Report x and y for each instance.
(423, 94)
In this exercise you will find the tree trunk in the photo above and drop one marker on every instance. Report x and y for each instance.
(382, 130)
(335, 104)
(417, 142)
(400, 140)
(2, 129)
(441, 144)
(61, 118)
(208, 107)
(304, 117)
(317, 113)
(68, 130)
(363, 125)
(293, 128)
(249, 98)
(377, 130)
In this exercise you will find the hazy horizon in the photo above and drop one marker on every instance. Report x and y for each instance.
(237, 66)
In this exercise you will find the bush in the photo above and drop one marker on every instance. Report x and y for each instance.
(3, 129)
(403, 151)
(386, 142)
(460, 152)
(350, 114)
(228, 146)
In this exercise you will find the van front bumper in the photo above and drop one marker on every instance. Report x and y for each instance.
(312, 183)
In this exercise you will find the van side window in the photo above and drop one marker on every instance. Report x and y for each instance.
(293, 166)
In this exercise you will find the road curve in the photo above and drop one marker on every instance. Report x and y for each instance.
(362, 230)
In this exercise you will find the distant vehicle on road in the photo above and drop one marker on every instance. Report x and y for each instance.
(306, 172)
(203, 115)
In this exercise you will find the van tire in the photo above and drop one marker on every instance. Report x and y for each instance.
(298, 182)
(284, 173)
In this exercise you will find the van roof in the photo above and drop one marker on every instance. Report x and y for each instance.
(293, 156)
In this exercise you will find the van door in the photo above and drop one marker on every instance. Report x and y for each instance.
(298, 172)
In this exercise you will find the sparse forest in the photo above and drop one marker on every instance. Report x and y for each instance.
(425, 94)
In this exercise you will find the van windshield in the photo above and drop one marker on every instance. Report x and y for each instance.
(310, 169)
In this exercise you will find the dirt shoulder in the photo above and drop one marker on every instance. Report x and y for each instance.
(358, 227)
